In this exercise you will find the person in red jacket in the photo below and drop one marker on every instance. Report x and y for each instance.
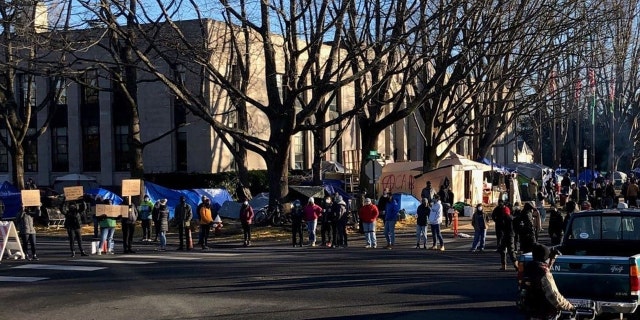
(368, 214)
(246, 218)
(312, 212)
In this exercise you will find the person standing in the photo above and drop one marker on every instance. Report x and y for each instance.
(145, 215)
(556, 230)
(443, 195)
(107, 229)
(246, 219)
(297, 216)
(206, 220)
(72, 223)
(422, 215)
(28, 231)
(435, 220)
(632, 193)
(523, 225)
(506, 241)
(542, 299)
(368, 214)
(163, 220)
(183, 216)
(129, 227)
(496, 216)
(312, 212)
(390, 220)
(532, 189)
(383, 201)
(340, 210)
(156, 222)
(326, 220)
(428, 192)
(479, 221)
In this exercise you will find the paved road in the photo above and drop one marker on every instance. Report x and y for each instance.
(270, 280)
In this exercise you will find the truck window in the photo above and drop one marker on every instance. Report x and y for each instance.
(629, 231)
(587, 227)
(612, 228)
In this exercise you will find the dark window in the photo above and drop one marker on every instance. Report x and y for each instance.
(59, 130)
(90, 122)
(4, 153)
(121, 115)
(180, 118)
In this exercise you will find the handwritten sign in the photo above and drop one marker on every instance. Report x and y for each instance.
(124, 211)
(110, 211)
(30, 198)
(73, 193)
(131, 187)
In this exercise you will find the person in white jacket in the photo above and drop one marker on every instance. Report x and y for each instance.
(435, 220)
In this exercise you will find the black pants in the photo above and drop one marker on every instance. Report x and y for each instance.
(246, 230)
(296, 233)
(146, 229)
(341, 240)
(204, 235)
(157, 228)
(325, 232)
(127, 235)
(506, 248)
(28, 239)
(182, 232)
(74, 235)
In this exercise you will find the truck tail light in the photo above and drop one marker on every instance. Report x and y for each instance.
(634, 279)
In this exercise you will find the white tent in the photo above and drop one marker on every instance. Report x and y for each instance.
(75, 179)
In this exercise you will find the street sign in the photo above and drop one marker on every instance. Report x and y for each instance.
(373, 168)
(373, 155)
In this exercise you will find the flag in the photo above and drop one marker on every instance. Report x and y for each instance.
(552, 82)
(592, 80)
(578, 88)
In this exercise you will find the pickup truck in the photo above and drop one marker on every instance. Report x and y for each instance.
(598, 269)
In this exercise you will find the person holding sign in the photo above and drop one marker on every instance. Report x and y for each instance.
(72, 224)
(129, 226)
(27, 231)
(107, 229)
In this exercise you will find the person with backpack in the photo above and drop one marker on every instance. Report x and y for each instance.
(145, 215)
(542, 299)
(341, 217)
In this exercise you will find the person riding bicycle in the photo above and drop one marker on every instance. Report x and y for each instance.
(542, 299)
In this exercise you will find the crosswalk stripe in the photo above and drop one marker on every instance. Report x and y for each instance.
(110, 261)
(21, 279)
(57, 267)
(142, 256)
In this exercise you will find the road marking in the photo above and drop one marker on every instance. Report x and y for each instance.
(218, 254)
(57, 267)
(142, 256)
(114, 261)
(21, 279)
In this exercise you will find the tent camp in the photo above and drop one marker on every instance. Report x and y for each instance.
(465, 177)
(407, 202)
(529, 170)
(104, 194)
(193, 197)
(75, 179)
(231, 208)
(11, 200)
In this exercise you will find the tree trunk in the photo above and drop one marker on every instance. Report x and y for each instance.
(318, 145)
(430, 159)
(278, 173)
(18, 166)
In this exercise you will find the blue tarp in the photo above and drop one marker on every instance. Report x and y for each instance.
(11, 199)
(105, 195)
(193, 196)
(587, 175)
(407, 202)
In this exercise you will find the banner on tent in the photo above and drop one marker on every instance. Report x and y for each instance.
(73, 193)
(131, 187)
(30, 198)
(10, 244)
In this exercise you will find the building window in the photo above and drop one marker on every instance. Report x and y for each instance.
(30, 145)
(298, 151)
(27, 90)
(334, 131)
(90, 121)
(121, 114)
(180, 119)
(59, 130)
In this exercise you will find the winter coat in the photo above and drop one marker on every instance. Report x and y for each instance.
(163, 217)
(246, 214)
(312, 211)
(25, 220)
(435, 215)
(556, 224)
(392, 210)
(205, 215)
(72, 217)
(479, 220)
(368, 213)
(183, 214)
(133, 215)
(340, 211)
(422, 215)
(145, 210)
